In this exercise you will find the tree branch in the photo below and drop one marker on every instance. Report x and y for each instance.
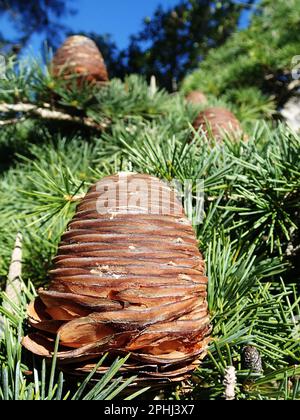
(47, 114)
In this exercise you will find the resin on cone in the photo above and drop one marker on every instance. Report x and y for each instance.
(79, 57)
(196, 97)
(128, 278)
(219, 122)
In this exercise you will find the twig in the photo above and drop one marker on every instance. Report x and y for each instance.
(47, 114)
(11, 121)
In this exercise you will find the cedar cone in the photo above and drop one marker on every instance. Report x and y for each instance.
(196, 97)
(251, 360)
(128, 277)
(218, 122)
(80, 56)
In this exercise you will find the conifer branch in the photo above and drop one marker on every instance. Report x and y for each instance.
(11, 121)
(47, 114)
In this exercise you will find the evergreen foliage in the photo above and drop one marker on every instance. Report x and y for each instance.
(174, 40)
(253, 70)
(170, 43)
(249, 234)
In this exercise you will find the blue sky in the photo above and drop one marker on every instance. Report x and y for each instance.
(121, 18)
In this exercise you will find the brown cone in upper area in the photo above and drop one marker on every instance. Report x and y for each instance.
(79, 56)
(196, 97)
(128, 277)
(219, 122)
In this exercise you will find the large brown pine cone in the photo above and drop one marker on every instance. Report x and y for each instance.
(79, 57)
(128, 277)
(219, 122)
(196, 97)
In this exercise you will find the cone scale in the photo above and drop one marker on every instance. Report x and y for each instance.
(128, 278)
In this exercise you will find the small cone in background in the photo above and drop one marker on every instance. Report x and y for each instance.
(128, 278)
(196, 97)
(218, 122)
(79, 57)
(251, 360)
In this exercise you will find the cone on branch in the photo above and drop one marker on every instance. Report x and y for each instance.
(196, 97)
(79, 57)
(251, 360)
(128, 278)
(219, 122)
